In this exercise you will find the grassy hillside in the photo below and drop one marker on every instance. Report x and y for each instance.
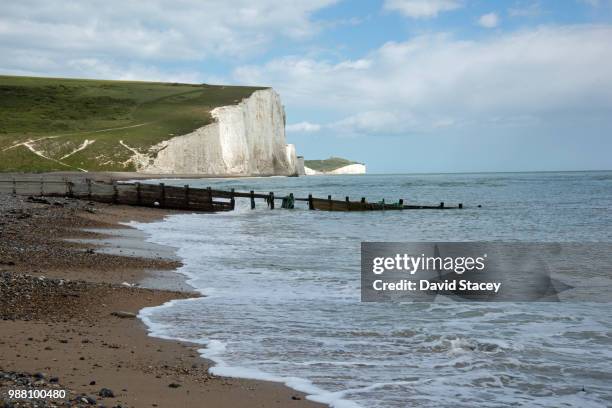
(330, 164)
(68, 124)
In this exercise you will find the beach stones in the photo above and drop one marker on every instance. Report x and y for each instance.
(106, 393)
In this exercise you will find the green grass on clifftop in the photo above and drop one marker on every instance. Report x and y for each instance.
(68, 124)
(330, 164)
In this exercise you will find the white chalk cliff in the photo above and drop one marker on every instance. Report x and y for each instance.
(356, 168)
(246, 139)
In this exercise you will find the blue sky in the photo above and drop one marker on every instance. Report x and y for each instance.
(402, 85)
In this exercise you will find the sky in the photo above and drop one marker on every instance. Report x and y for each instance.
(401, 85)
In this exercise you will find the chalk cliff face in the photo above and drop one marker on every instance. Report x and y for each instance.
(247, 139)
(356, 168)
(301, 169)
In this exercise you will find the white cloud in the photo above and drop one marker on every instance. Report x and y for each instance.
(422, 8)
(532, 9)
(57, 34)
(437, 80)
(302, 127)
(369, 122)
(489, 20)
(597, 3)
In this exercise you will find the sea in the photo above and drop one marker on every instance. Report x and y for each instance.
(282, 293)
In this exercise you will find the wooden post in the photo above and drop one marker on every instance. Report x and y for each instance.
(310, 203)
(42, 187)
(401, 203)
(69, 184)
(162, 195)
(88, 188)
(348, 204)
(252, 200)
(442, 204)
(115, 193)
(14, 186)
(186, 187)
(329, 201)
(271, 200)
(232, 200)
(460, 205)
(209, 195)
(138, 194)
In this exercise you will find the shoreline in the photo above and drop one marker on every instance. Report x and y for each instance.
(76, 328)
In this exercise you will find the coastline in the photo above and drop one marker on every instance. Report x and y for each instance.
(59, 332)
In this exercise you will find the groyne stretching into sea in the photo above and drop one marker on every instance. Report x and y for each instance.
(184, 198)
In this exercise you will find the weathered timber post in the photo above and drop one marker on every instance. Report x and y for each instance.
(288, 202)
(210, 200)
(42, 186)
(232, 200)
(88, 188)
(252, 200)
(442, 204)
(460, 205)
(329, 201)
(310, 203)
(115, 192)
(138, 194)
(14, 186)
(363, 203)
(348, 204)
(69, 185)
(401, 203)
(186, 187)
(271, 200)
(162, 195)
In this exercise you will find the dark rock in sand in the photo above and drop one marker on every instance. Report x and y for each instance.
(124, 315)
(40, 200)
(106, 393)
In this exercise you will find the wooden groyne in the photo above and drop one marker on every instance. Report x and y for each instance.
(362, 205)
(137, 194)
(183, 198)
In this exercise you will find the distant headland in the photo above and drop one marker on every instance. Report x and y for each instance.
(333, 165)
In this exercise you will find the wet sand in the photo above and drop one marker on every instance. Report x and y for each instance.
(75, 328)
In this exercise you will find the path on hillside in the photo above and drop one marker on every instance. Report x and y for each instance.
(40, 154)
(29, 144)
(72, 134)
